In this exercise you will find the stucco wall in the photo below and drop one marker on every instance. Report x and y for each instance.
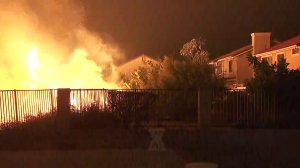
(244, 70)
(293, 60)
(260, 41)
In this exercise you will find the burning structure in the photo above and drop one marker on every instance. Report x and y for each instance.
(44, 44)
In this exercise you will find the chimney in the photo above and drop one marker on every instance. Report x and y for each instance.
(260, 41)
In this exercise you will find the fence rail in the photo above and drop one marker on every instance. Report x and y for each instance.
(18, 106)
(138, 105)
(244, 109)
(227, 108)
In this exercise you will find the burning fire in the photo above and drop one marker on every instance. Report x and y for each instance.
(40, 49)
(33, 65)
(44, 45)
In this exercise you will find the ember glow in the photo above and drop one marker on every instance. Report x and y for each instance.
(43, 44)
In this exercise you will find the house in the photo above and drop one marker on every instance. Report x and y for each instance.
(130, 66)
(289, 49)
(234, 66)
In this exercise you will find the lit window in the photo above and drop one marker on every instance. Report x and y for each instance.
(295, 51)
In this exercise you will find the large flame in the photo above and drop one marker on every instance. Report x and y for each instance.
(46, 52)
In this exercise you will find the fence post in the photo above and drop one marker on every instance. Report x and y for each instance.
(80, 101)
(63, 111)
(203, 108)
(198, 108)
(51, 99)
(16, 106)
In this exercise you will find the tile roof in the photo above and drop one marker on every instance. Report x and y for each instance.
(287, 43)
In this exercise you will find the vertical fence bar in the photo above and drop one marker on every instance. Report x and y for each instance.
(50, 99)
(275, 108)
(227, 116)
(7, 96)
(263, 107)
(1, 109)
(7, 112)
(247, 110)
(254, 108)
(21, 101)
(38, 105)
(4, 108)
(237, 107)
(16, 106)
(31, 98)
(80, 91)
(198, 108)
(266, 117)
(33, 102)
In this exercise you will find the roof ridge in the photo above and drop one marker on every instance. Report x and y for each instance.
(234, 52)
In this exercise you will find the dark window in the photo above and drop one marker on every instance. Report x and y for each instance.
(280, 57)
(219, 67)
(268, 59)
(230, 66)
(259, 58)
(295, 51)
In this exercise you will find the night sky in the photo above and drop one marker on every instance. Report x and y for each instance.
(158, 27)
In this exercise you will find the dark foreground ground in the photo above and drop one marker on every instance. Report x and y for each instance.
(120, 147)
(90, 159)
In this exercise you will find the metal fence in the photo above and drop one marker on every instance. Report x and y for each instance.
(85, 98)
(227, 108)
(244, 109)
(138, 105)
(18, 106)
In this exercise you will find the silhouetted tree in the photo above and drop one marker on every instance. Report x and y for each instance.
(268, 77)
(195, 50)
(277, 79)
(188, 71)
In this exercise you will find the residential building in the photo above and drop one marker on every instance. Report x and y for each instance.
(289, 49)
(132, 65)
(234, 66)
